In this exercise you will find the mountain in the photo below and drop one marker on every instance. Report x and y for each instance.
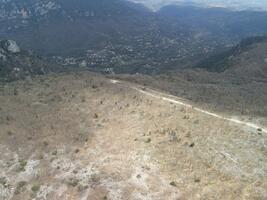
(180, 123)
(248, 58)
(231, 4)
(62, 26)
(217, 23)
(18, 64)
(103, 34)
(123, 37)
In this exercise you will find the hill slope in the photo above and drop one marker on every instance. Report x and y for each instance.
(18, 64)
(122, 35)
(78, 136)
(249, 58)
(233, 81)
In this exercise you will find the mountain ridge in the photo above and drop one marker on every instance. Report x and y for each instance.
(124, 37)
(248, 58)
(230, 4)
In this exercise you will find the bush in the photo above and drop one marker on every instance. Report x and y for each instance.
(35, 188)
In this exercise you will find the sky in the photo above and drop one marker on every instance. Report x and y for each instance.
(233, 4)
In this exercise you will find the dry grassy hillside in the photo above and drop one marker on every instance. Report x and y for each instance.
(233, 81)
(221, 92)
(78, 136)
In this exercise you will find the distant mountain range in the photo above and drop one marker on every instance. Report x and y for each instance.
(122, 36)
(231, 4)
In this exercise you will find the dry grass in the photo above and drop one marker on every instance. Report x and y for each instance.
(119, 144)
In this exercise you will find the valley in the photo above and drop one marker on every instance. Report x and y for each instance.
(124, 37)
(133, 100)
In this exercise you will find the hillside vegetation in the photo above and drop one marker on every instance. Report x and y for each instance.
(233, 81)
(16, 63)
(124, 37)
(249, 51)
(78, 136)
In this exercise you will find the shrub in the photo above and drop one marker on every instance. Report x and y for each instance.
(35, 188)
(19, 187)
(22, 165)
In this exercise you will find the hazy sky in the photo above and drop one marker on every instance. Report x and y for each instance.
(235, 4)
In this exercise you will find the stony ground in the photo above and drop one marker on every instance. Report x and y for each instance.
(78, 136)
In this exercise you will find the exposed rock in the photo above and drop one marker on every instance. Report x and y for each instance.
(12, 46)
(21, 64)
(9, 46)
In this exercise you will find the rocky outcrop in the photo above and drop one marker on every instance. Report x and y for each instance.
(8, 46)
(12, 46)
(18, 64)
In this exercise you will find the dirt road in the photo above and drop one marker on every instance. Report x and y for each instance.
(173, 99)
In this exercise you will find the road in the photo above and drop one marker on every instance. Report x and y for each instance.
(172, 99)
